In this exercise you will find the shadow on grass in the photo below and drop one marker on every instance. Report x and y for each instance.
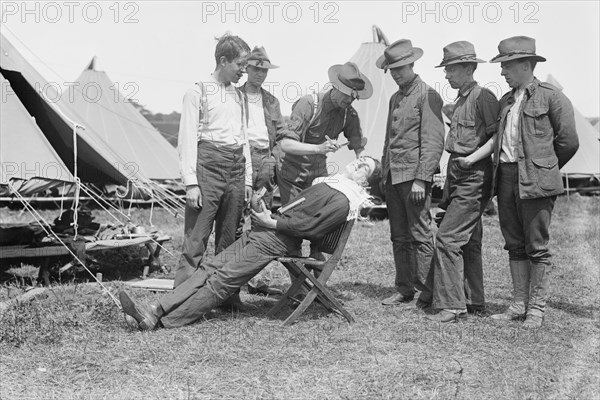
(369, 290)
(574, 309)
(264, 303)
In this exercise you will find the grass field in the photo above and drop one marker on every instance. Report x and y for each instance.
(73, 343)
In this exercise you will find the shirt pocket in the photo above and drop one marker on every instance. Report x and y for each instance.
(466, 133)
(537, 121)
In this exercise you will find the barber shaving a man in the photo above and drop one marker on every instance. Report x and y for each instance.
(329, 202)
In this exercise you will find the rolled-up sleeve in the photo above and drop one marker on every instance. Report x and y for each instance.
(431, 136)
(301, 115)
(352, 130)
(488, 109)
(187, 142)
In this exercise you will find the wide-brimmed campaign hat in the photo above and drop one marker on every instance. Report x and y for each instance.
(459, 52)
(258, 57)
(399, 53)
(348, 79)
(516, 47)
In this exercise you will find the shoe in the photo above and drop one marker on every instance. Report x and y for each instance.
(235, 303)
(131, 322)
(146, 319)
(446, 316)
(396, 299)
(265, 290)
(475, 309)
(152, 318)
(533, 321)
(514, 312)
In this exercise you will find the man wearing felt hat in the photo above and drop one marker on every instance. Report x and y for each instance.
(457, 266)
(413, 147)
(265, 124)
(536, 137)
(315, 124)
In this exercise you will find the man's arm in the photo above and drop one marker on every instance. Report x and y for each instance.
(291, 141)
(187, 145)
(353, 132)
(562, 118)
(431, 135)
(487, 110)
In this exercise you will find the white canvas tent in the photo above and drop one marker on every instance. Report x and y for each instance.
(98, 101)
(29, 163)
(95, 160)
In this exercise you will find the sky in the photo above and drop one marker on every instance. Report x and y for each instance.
(154, 50)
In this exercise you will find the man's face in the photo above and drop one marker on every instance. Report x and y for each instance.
(234, 70)
(360, 169)
(515, 73)
(341, 100)
(256, 75)
(457, 75)
(402, 75)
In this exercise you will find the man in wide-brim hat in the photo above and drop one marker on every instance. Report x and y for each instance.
(413, 147)
(315, 124)
(265, 125)
(458, 266)
(536, 137)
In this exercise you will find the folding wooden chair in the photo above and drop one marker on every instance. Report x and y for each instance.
(313, 275)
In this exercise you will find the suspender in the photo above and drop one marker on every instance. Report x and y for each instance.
(203, 109)
(315, 98)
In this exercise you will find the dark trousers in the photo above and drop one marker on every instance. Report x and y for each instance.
(457, 264)
(412, 239)
(524, 223)
(215, 281)
(220, 173)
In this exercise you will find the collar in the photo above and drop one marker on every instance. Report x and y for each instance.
(410, 87)
(529, 89)
(327, 102)
(466, 89)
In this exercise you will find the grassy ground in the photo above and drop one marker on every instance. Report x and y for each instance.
(72, 342)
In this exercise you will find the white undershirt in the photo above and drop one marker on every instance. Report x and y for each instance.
(258, 136)
(511, 130)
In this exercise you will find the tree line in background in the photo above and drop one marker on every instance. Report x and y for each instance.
(168, 124)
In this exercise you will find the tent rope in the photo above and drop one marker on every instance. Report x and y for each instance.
(50, 232)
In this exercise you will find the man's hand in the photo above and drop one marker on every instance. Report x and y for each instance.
(263, 219)
(464, 162)
(417, 192)
(193, 197)
(328, 146)
(247, 193)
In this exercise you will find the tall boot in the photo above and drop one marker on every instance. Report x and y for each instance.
(537, 296)
(519, 271)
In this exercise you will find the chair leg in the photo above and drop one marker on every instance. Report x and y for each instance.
(301, 308)
(296, 284)
(318, 290)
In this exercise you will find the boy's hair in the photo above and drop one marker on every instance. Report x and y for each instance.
(376, 174)
(230, 47)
